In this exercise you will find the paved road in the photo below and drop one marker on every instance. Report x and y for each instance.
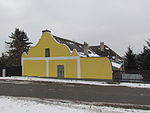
(80, 92)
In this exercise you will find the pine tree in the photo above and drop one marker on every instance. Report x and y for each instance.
(143, 59)
(3, 60)
(19, 43)
(130, 60)
(146, 56)
(148, 43)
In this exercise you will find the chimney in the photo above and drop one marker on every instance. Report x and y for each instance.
(101, 46)
(117, 58)
(85, 49)
(46, 31)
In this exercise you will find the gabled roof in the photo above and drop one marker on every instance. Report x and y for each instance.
(77, 46)
(108, 52)
(71, 44)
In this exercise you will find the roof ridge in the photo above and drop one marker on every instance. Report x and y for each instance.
(68, 40)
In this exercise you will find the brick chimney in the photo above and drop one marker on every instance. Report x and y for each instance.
(102, 46)
(85, 49)
(117, 58)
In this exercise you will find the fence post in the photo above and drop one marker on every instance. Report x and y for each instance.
(4, 73)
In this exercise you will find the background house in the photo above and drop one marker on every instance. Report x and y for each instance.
(105, 51)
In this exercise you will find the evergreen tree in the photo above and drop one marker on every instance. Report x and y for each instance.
(148, 43)
(130, 60)
(139, 61)
(146, 56)
(143, 59)
(3, 60)
(19, 43)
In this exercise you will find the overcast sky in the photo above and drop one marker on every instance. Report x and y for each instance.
(118, 23)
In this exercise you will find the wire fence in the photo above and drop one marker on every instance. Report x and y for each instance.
(132, 76)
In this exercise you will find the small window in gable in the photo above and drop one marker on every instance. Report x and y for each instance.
(47, 52)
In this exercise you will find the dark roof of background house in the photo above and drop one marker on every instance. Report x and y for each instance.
(71, 44)
(79, 47)
(108, 52)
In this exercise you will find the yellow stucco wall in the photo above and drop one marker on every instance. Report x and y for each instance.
(34, 68)
(70, 68)
(96, 68)
(38, 68)
(90, 68)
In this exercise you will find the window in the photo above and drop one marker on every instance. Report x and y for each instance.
(47, 52)
(60, 71)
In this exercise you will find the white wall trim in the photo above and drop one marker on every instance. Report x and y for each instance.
(50, 58)
(47, 68)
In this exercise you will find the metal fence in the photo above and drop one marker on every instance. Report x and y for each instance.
(132, 76)
(11, 71)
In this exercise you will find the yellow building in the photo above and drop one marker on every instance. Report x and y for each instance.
(61, 58)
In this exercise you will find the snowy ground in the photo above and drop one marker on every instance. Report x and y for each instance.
(34, 105)
(133, 85)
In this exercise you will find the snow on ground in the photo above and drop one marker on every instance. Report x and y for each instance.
(133, 85)
(35, 105)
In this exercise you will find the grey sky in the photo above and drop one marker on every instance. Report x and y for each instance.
(119, 23)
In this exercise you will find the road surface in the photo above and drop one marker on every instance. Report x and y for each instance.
(75, 92)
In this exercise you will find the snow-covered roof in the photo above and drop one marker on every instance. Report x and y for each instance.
(91, 54)
(108, 52)
(77, 46)
(117, 65)
(71, 44)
